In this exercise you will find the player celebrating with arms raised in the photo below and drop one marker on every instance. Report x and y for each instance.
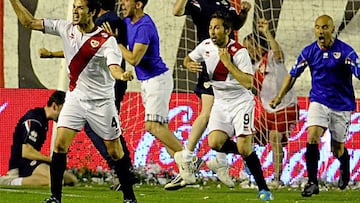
(93, 60)
(332, 63)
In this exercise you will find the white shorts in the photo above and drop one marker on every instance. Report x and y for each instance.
(156, 93)
(338, 122)
(232, 118)
(100, 114)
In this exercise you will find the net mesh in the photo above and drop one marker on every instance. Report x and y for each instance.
(291, 22)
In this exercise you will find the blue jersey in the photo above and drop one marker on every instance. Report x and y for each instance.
(144, 32)
(331, 74)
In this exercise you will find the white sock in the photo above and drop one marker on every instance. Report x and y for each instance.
(188, 155)
(17, 181)
(221, 158)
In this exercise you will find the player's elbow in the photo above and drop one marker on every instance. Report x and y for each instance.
(27, 22)
(248, 84)
(133, 62)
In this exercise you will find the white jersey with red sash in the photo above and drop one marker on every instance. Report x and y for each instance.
(88, 57)
(224, 84)
(268, 79)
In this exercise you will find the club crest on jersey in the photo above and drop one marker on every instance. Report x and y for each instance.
(262, 68)
(94, 43)
(337, 55)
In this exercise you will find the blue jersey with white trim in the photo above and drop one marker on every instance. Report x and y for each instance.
(331, 73)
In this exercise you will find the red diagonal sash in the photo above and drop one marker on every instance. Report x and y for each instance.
(221, 72)
(84, 55)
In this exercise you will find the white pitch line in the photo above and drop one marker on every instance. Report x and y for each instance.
(35, 192)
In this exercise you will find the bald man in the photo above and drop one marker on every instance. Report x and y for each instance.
(332, 63)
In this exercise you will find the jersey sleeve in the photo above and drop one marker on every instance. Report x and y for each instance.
(112, 52)
(299, 66)
(143, 34)
(353, 61)
(32, 131)
(242, 60)
(196, 54)
(54, 27)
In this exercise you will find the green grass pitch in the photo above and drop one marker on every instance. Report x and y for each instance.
(156, 194)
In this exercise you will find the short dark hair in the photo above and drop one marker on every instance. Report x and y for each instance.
(143, 1)
(227, 23)
(94, 5)
(58, 97)
(108, 5)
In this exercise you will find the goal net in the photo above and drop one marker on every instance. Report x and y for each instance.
(292, 22)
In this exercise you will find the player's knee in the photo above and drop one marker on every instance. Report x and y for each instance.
(70, 179)
(115, 154)
(337, 151)
(245, 151)
(43, 181)
(313, 139)
(151, 127)
(60, 148)
(154, 128)
(214, 143)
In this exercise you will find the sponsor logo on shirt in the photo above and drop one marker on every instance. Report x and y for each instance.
(325, 55)
(33, 136)
(348, 61)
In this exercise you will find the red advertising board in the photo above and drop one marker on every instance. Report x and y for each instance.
(183, 110)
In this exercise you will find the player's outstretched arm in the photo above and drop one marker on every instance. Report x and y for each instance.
(45, 53)
(263, 27)
(179, 7)
(287, 84)
(241, 17)
(25, 17)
